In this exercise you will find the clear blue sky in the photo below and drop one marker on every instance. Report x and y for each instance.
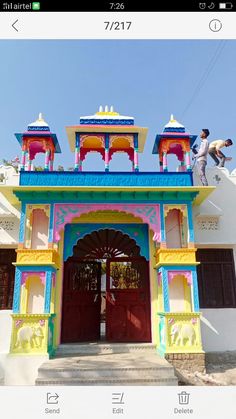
(145, 79)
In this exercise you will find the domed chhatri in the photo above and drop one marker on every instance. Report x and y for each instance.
(106, 132)
(174, 140)
(38, 139)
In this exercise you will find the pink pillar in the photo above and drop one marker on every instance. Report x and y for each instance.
(188, 161)
(165, 168)
(106, 159)
(47, 158)
(51, 166)
(136, 168)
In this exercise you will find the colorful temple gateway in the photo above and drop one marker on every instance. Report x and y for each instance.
(106, 256)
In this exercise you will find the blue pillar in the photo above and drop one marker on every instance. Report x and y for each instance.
(48, 292)
(51, 220)
(195, 291)
(190, 223)
(17, 291)
(165, 288)
(163, 230)
(22, 223)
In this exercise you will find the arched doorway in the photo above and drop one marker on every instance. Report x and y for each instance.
(106, 283)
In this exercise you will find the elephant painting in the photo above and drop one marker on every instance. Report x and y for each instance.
(27, 335)
(182, 333)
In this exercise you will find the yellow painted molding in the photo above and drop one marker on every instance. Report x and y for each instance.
(37, 257)
(184, 256)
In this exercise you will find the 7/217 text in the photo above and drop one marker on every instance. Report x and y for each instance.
(117, 26)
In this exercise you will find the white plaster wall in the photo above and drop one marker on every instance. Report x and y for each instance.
(218, 329)
(220, 203)
(22, 370)
(8, 176)
(5, 336)
(5, 330)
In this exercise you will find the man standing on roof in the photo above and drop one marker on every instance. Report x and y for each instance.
(201, 156)
(216, 154)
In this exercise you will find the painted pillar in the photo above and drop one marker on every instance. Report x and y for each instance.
(188, 161)
(195, 294)
(48, 291)
(165, 167)
(22, 224)
(51, 219)
(191, 238)
(161, 165)
(78, 163)
(107, 146)
(23, 157)
(163, 230)
(136, 166)
(30, 165)
(17, 291)
(47, 158)
(165, 288)
(51, 166)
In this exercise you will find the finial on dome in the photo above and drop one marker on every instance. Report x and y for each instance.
(112, 108)
(106, 109)
(172, 119)
(40, 116)
(100, 108)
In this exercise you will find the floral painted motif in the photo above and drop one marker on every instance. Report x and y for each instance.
(64, 213)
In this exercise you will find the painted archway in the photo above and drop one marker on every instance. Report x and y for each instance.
(127, 294)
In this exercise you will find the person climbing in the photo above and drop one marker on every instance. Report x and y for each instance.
(201, 156)
(216, 153)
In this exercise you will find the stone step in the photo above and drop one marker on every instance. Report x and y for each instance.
(103, 348)
(107, 382)
(143, 368)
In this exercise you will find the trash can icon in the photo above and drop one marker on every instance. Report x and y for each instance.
(183, 397)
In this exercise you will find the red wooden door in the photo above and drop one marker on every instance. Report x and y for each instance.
(81, 301)
(128, 300)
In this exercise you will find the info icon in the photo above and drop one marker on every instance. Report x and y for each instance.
(184, 397)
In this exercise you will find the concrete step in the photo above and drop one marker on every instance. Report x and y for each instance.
(103, 348)
(108, 369)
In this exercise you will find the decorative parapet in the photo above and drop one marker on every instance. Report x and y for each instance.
(37, 257)
(185, 256)
(32, 334)
(179, 333)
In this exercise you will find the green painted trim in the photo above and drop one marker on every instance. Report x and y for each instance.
(101, 196)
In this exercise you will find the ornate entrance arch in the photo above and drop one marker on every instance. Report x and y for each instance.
(65, 213)
(126, 293)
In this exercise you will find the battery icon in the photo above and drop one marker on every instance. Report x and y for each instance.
(226, 6)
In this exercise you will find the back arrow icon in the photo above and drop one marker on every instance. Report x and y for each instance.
(13, 25)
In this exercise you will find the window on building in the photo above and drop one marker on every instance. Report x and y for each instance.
(7, 275)
(216, 278)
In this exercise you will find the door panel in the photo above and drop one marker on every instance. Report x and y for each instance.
(81, 301)
(128, 300)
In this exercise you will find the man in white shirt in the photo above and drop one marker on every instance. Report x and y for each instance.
(201, 156)
(216, 153)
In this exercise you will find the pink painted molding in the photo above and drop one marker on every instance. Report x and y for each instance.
(64, 214)
(26, 275)
(186, 274)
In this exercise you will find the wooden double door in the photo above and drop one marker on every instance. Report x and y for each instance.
(127, 300)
